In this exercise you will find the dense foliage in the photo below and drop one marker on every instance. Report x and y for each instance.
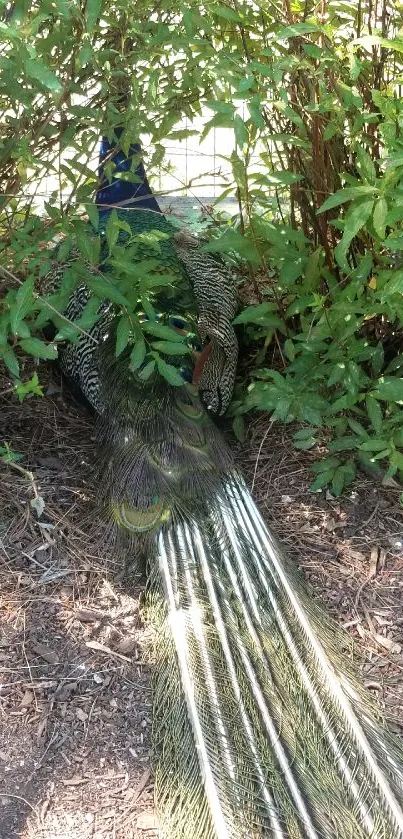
(314, 102)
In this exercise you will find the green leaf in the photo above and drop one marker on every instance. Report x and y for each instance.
(330, 131)
(241, 131)
(378, 359)
(238, 169)
(300, 304)
(374, 444)
(328, 463)
(398, 437)
(103, 288)
(170, 373)
(369, 41)
(350, 472)
(66, 331)
(234, 242)
(306, 444)
(238, 425)
(358, 428)
(10, 360)
(89, 245)
(395, 364)
(350, 96)
(255, 110)
(310, 414)
(396, 459)
(30, 386)
(305, 433)
(122, 335)
(344, 195)
(166, 333)
(7, 455)
(338, 481)
(147, 371)
(379, 217)
(89, 315)
(322, 480)
(343, 444)
(338, 373)
(254, 314)
(296, 30)
(170, 348)
(289, 349)
(381, 455)
(93, 215)
(226, 13)
(38, 348)
(112, 230)
(22, 306)
(282, 409)
(365, 165)
(148, 309)
(389, 388)
(37, 70)
(394, 243)
(355, 219)
(283, 177)
(22, 329)
(220, 107)
(93, 10)
(138, 354)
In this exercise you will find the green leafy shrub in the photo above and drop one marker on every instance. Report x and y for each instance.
(314, 104)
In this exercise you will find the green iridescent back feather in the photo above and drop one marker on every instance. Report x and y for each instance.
(162, 455)
(141, 244)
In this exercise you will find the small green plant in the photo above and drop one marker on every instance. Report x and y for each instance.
(7, 455)
(29, 387)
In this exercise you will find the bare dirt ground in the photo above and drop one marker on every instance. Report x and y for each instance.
(75, 662)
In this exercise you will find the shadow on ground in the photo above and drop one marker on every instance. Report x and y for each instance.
(75, 667)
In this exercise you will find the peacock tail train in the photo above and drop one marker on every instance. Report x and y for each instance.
(260, 727)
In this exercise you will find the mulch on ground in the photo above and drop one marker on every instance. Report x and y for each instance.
(349, 548)
(75, 662)
(75, 691)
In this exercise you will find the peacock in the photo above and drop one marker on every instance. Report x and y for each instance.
(260, 726)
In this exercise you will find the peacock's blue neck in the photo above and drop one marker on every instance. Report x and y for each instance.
(135, 193)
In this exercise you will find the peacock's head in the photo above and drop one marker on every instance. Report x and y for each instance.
(185, 241)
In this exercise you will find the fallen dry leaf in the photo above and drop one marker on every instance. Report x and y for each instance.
(126, 645)
(88, 615)
(373, 563)
(96, 645)
(75, 781)
(146, 821)
(27, 699)
(44, 652)
(388, 643)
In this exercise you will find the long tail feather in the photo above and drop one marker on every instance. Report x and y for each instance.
(287, 741)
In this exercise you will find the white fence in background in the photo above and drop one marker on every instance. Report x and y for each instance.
(190, 169)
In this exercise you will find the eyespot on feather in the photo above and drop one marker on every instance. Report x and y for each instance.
(140, 520)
